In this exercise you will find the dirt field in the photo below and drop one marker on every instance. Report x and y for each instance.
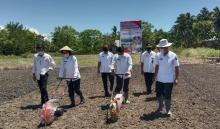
(196, 102)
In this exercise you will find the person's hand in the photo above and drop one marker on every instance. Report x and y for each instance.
(113, 72)
(74, 78)
(142, 72)
(50, 69)
(63, 93)
(53, 92)
(34, 78)
(176, 81)
(127, 73)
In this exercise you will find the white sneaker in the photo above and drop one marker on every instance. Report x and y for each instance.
(127, 102)
(169, 114)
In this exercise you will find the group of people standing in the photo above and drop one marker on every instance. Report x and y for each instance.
(162, 67)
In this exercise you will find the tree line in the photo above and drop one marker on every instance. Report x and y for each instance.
(188, 31)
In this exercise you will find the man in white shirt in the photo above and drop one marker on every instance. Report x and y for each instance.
(122, 66)
(69, 70)
(104, 67)
(42, 64)
(148, 67)
(166, 74)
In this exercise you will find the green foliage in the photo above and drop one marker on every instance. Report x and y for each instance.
(17, 40)
(62, 36)
(187, 32)
(90, 41)
(147, 33)
(216, 19)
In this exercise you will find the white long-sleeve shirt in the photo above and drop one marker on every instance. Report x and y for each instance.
(122, 64)
(42, 64)
(106, 61)
(148, 60)
(69, 68)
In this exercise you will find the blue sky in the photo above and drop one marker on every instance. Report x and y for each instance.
(44, 15)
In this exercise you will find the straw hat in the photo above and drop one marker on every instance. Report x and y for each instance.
(164, 43)
(66, 48)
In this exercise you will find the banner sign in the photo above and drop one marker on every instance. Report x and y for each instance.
(131, 36)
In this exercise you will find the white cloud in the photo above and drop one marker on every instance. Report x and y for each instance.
(1, 27)
(46, 37)
(33, 30)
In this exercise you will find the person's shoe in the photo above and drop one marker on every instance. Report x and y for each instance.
(82, 101)
(107, 95)
(159, 110)
(72, 104)
(126, 101)
(148, 93)
(169, 114)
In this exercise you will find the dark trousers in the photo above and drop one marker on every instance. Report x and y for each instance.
(42, 83)
(105, 77)
(148, 81)
(74, 87)
(164, 90)
(120, 84)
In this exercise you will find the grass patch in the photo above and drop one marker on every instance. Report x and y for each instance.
(25, 62)
(197, 52)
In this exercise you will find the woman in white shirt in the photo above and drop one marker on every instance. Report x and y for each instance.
(69, 71)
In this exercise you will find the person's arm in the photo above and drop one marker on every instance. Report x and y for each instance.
(142, 68)
(156, 71)
(176, 64)
(130, 63)
(52, 63)
(176, 74)
(142, 65)
(113, 65)
(99, 64)
(34, 69)
(98, 67)
(75, 65)
(61, 72)
(156, 68)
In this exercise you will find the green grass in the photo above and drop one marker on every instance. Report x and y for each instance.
(25, 61)
(197, 52)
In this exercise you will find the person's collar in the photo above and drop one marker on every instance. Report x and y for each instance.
(40, 55)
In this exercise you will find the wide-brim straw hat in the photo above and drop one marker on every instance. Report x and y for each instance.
(66, 48)
(164, 43)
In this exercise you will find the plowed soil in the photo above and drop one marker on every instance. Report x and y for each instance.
(195, 102)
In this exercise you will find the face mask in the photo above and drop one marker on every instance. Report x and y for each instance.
(66, 55)
(162, 50)
(41, 53)
(148, 50)
(105, 49)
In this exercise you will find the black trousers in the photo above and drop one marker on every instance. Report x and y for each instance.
(105, 77)
(120, 84)
(164, 90)
(74, 87)
(148, 81)
(42, 84)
